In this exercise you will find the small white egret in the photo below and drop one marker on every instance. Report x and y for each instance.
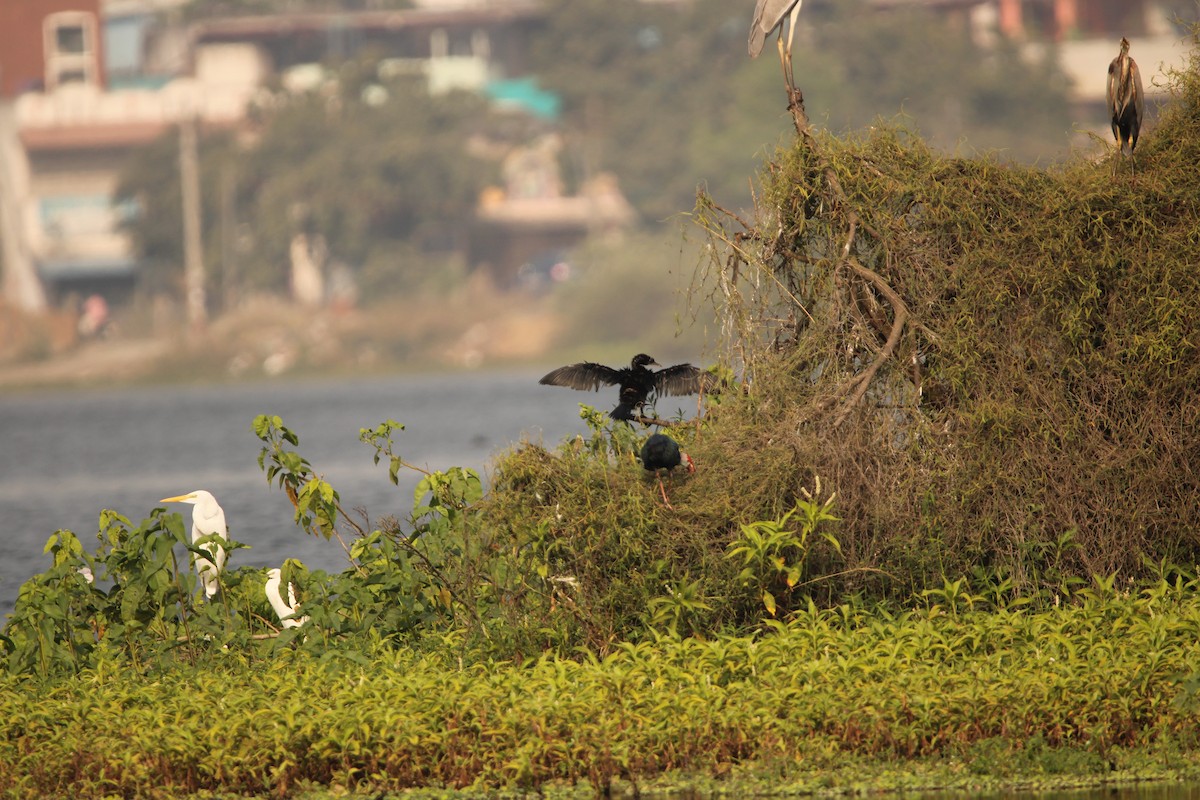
(207, 519)
(285, 611)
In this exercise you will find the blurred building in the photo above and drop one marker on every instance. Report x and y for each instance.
(1085, 34)
(84, 83)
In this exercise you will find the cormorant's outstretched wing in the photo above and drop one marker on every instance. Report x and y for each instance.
(584, 376)
(683, 379)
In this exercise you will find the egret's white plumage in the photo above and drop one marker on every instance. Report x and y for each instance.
(207, 519)
(769, 15)
(285, 611)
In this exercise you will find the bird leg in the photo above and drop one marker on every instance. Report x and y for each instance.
(663, 489)
(785, 62)
(795, 96)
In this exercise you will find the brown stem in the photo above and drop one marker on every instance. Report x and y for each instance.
(901, 316)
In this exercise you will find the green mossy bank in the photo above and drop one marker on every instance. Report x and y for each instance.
(944, 533)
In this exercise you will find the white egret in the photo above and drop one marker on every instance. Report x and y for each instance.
(769, 15)
(285, 611)
(207, 519)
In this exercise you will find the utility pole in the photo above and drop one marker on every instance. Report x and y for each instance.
(193, 252)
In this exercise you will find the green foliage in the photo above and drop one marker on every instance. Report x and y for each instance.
(134, 601)
(130, 599)
(316, 502)
(998, 416)
(773, 555)
(1082, 692)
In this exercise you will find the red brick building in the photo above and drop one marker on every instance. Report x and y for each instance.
(46, 43)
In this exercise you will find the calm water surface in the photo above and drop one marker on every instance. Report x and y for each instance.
(65, 456)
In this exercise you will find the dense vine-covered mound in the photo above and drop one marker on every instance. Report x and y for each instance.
(995, 366)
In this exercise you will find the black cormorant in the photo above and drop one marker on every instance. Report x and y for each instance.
(636, 382)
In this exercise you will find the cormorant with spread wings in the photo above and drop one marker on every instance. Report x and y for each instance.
(636, 382)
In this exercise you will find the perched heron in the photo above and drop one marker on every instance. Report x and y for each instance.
(662, 452)
(1125, 99)
(636, 382)
(207, 519)
(286, 611)
(769, 15)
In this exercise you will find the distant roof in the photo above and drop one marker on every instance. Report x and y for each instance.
(282, 25)
(65, 269)
(83, 137)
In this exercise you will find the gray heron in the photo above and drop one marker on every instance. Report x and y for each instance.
(1125, 101)
(769, 15)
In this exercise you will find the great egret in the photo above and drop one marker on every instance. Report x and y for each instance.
(769, 15)
(1125, 100)
(285, 611)
(636, 381)
(207, 519)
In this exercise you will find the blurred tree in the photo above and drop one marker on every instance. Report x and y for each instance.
(637, 81)
(365, 165)
(863, 65)
(662, 95)
(666, 97)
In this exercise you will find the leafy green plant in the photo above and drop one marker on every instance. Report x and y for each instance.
(774, 553)
(317, 503)
(1086, 692)
(677, 610)
(131, 596)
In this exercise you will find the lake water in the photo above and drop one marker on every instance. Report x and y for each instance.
(66, 455)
